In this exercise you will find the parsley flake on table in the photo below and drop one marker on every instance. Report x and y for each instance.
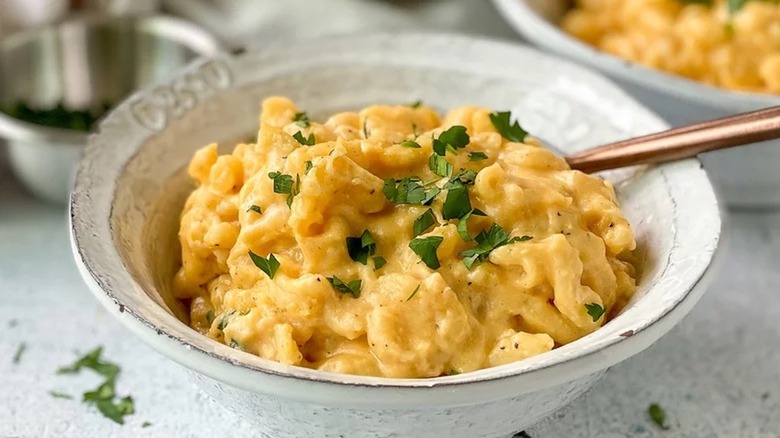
(361, 248)
(410, 144)
(302, 119)
(255, 208)
(305, 141)
(487, 241)
(521, 434)
(146, 424)
(595, 311)
(510, 131)
(416, 104)
(19, 352)
(658, 415)
(452, 139)
(269, 265)
(91, 361)
(426, 249)
(379, 262)
(408, 191)
(104, 396)
(463, 225)
(414, 292)
(352, 287)
(422, 223)
(477, 156)
(440, 166)
(62, 395)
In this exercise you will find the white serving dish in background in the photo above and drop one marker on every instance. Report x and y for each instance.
(132, 184)
(86, 61)
(747, 177)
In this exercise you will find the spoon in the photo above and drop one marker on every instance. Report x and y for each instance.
(683, 142)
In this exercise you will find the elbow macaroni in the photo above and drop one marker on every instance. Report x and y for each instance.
(701, 42)
(409, 320)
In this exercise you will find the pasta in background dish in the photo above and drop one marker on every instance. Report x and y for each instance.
(730, 44)
(392, 243)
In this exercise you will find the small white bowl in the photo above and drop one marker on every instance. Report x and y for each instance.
(747, 177)
(83, 62)
(132, 183)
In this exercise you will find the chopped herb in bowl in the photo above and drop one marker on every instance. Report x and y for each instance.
(57, 116)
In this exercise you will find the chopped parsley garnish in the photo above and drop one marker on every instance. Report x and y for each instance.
(366, 134)
(414, 292)
(595, 311)
(510, 131)
(457, 202)
(225, 320)
(352, 287)
(104, 396)
(422, 223)
(245, 312)
(658, 415)
(306, 141)
(477, 156)
(269, 265)
(282, 183)
(416, 104)
(210, 317)
(487, 241)
(256, 209)
(57, 394)
(408, 191)
(451, 139)
(309, 165)
(235, 344)
(426, 249)
(440, 166)
(294, 189)
(736, 5)
(463, 224)
(19, 352)
(361, 248)
(411, 144)
(699, 2)
(430, 195)
(465, 176)
(302, 119)
(379, 262)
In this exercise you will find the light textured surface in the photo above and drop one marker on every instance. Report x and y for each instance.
(717, 374)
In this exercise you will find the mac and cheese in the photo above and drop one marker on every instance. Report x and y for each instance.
(392, 243)
(734, 47)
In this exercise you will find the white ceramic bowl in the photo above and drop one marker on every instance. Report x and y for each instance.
(747, 177)
(132, 183)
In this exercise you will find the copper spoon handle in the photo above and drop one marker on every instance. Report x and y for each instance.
(683, 142)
